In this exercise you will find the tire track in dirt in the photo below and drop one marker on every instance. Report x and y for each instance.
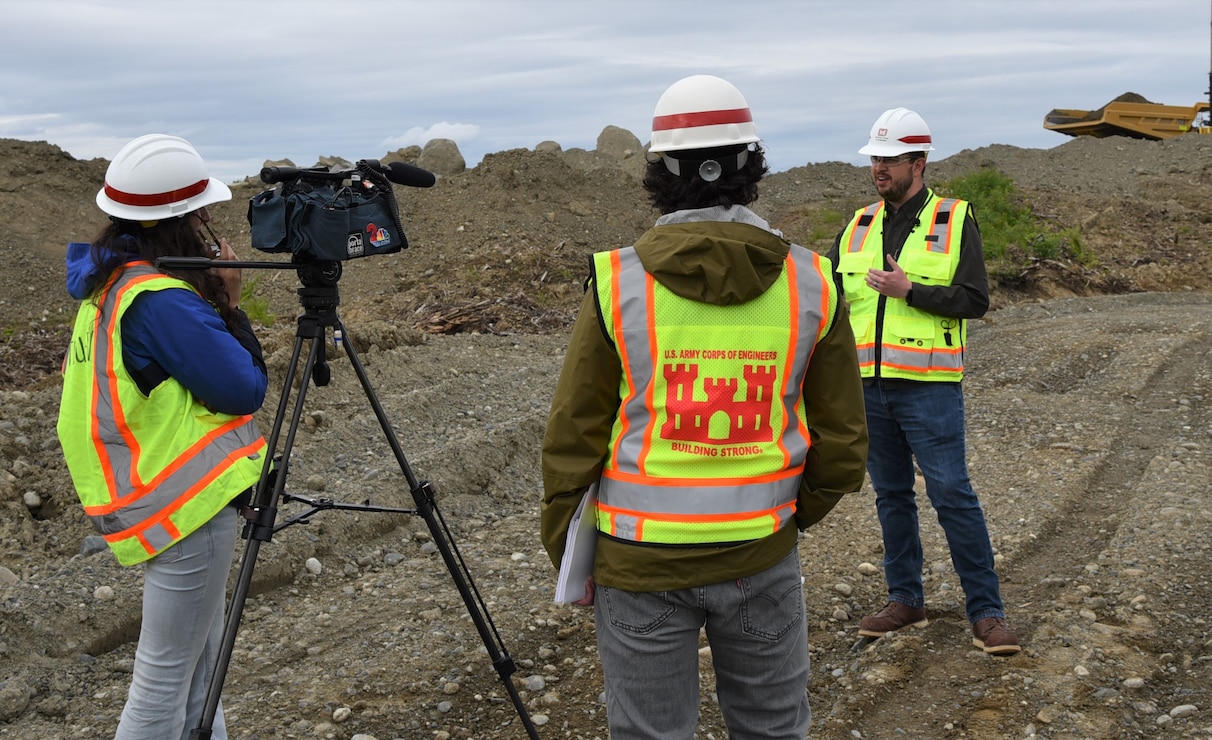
(931, 682)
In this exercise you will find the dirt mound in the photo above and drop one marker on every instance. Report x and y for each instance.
(1128, 97)
(1090, 435)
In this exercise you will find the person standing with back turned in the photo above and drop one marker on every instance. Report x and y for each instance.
(711, 389)
(159, 386)
(912, 268)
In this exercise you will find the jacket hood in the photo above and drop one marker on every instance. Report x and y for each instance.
(721, 255)
(84, 275)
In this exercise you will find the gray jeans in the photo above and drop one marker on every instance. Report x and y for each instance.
(649, 642)
(183, 603)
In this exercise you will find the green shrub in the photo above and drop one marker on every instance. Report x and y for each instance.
(255, 306)
(1010, 230)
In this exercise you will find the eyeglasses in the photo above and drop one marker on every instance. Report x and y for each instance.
(891, 161)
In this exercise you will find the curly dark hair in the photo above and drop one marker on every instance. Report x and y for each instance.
(170, 237)
(669, 192)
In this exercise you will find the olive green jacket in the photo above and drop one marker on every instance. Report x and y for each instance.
(722, 256)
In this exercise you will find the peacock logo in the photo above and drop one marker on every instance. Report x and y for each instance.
(379, 237)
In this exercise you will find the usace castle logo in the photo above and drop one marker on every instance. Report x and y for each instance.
(719, 414)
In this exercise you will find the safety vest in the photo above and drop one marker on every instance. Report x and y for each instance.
(913, 344)
(149, 470)
(709, 443)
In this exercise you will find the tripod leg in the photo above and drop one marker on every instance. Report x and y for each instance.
(258, 530)
(423, 497)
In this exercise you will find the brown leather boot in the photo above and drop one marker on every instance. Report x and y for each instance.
(891, 618)
(995, 637)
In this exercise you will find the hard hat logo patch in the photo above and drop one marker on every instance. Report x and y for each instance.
(882, 132)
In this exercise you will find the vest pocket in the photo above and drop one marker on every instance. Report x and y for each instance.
(909, 333)
(864, 329)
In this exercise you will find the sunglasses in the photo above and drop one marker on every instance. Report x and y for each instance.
(891, 161)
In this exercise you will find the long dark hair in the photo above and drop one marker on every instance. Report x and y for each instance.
(669, 192)
(170, 237)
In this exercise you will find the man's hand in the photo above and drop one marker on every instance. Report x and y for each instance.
(589, 591)
(891, 282)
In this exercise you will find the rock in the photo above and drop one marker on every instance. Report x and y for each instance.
(617, 143)
(442, 157)
(15, 694)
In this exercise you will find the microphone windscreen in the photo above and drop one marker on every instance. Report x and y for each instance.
(402, 173)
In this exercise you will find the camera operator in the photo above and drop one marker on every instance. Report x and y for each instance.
(160, 383)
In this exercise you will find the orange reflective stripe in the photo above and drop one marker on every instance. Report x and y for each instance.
(110, 301)
(616, 318)
(99, 447)
(128, 437)
(650, 390)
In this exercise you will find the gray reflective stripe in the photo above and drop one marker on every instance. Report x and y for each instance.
(632, 298)
(157, 537)
(626, 527)
(941, 232)
(159, 493)
(921, 359)
(866, 355)
(810, 287)
(697, 500)
(859, 235)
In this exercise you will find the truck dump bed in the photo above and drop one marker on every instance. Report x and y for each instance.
(1128, 115)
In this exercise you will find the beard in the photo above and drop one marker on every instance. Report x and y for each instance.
(895, 189)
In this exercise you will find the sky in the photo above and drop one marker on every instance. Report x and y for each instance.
(248, 81)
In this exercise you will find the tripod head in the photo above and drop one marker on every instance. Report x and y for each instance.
(318, 277)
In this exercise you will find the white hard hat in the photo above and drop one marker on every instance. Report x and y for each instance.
(701, 112)
(898, 131)
(158, 176)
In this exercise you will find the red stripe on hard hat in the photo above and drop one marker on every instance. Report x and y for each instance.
(919, 139)
(703, 118)
(155, 199)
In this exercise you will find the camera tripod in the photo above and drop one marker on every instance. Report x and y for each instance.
(319, 297)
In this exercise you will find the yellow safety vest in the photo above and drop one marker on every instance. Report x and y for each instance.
(149, 470)
(709, 443)
(913, 344)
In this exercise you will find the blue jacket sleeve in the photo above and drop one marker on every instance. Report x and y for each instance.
(176, 333)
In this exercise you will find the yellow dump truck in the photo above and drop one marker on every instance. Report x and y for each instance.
(1130, 115)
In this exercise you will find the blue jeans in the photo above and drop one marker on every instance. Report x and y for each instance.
(649, 642)
(926, 421)
(183, 603)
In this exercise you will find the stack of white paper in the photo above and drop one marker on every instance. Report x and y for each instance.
(577, 564)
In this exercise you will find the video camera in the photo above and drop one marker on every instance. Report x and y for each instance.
(315, 213)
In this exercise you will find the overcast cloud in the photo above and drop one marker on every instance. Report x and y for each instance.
(248, 82)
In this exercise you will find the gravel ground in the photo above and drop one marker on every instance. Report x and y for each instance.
(1090, 439)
